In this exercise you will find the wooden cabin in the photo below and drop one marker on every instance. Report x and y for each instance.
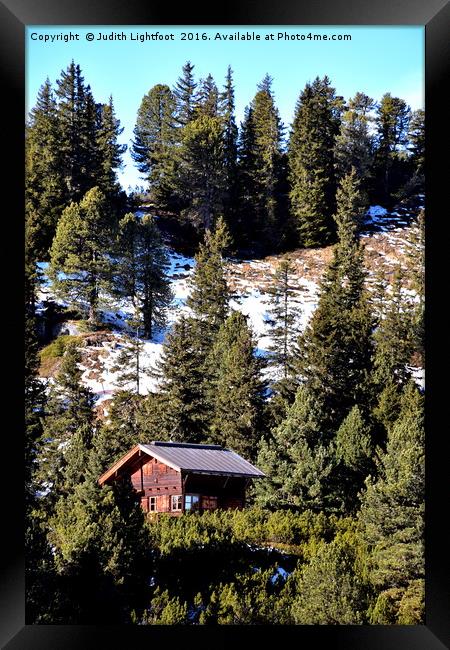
(174, 477)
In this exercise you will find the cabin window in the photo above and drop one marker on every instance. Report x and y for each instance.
(152, 504)
(192, 502)
(177, 502)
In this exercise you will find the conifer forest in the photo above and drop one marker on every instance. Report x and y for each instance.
(263, 290)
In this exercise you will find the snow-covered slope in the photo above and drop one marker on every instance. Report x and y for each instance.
(385, 241)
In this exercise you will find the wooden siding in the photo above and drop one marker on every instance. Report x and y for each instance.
(154, 478)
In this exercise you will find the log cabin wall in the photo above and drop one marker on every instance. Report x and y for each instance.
(154, 479)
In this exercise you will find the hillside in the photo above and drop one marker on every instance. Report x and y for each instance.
(385, 235)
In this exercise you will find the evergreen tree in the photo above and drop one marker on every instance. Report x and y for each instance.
(392, 518)
(354, 451)
(109, 152)
(284, 322)
(336, 348)
(260, 167)
(237, 391)
(129, 366)
(390, 161)
(209, 296)
(298, 460)
(311, 162)
(68, 428)
(101, 549)
(330, 589)
(184, 406)
(354, 144)
(201, 183)
(140, 272)
(416, 271)
(207, 98)
(394, 336)
(77, 117)
(416, 140)
(230, 138)
(185, 95)
(44, 181)
(79, 266)
(154, 144)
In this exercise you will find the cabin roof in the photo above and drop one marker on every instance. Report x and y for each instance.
(198, 459)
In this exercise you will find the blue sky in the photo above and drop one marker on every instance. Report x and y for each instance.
(375, 61)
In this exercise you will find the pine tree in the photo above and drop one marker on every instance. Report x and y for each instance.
(416, 270)
(100, 544)
(354, 144)
(181, 372)
(284, 321)
(201, 182)
(260, 167)
(154, 144)
(331, 589)
(129, 365)
(336, 348)
(209, 296)
(392, 518)
(230, 138)
(298, 460)
(77, 117)
(207, 98)
(311, 162)
(79, 265)
(140, 272)
(44, 182)
(390, 164)
(394, 336)
(109, 152)
(237, 390)
(68, 428)
(416, 141)
(185, 95)
(354, 450)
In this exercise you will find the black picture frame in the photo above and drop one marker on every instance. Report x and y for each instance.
(15, 15)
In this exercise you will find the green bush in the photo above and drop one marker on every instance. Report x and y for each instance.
(57, 347)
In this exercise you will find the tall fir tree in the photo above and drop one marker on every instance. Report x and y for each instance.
(230, 138)
(140, 272)
(312, 174)
(209, 295)
(392, 518)
(354, 143)
(44, 183)
(79, 262)
(236, 393)
(109, 151)
(416, 141)
(77, 121)
(390, 160)
(185, 92)
(394, 336)
(207, 100)
(260, 153)
(154, 146)
(184, 408)
(336, 348)
(68, 429)
(201, 181)
(284, 321)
